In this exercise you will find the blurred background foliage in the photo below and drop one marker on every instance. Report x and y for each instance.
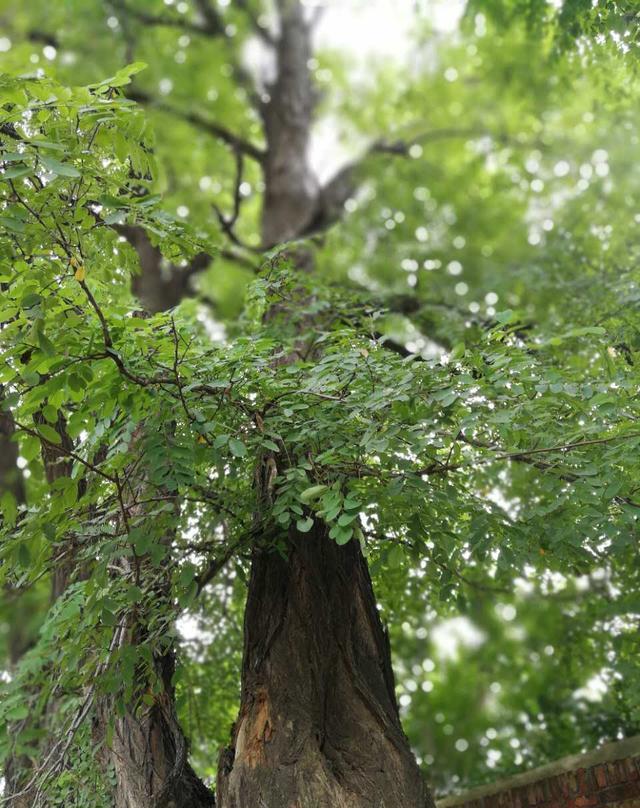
(518, 191)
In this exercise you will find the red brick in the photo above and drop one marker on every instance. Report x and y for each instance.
(585, 783)
(555, 786)
(583, 801)
(546, 791)
(612, 773)
(564, 785)
(505, 801)
(573, 782)
(600, 775)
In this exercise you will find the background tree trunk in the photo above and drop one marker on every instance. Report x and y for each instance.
(16, 768)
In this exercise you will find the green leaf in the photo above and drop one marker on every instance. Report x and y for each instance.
(30, 300)
(24, 556)
(506, 316)
(395, 556)
(15, 172)
(269, 444)
(47, 144)
(16, 225)
(237, 447)
(56, 167)
(108, 618)
(311, 493)
(341, 535)
(17, 713)
(49, 433)
(50, 413)
(9, 508)
(304, 525)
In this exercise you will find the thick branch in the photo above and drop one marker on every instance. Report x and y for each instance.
(259, 29)
(344, 184)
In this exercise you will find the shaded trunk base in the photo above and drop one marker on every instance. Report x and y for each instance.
(318, 724)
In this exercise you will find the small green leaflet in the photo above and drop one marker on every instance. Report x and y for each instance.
(56, 167)
(49, 434)
(237, 447)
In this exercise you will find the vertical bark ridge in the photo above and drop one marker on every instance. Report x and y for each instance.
(291, 188)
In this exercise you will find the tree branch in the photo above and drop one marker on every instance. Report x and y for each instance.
(259, 29)
(195, 119)
(344, 184)
(159, 291)
(212, 24)
(522, 455)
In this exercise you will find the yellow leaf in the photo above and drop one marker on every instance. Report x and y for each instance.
(201, 439)
(80, 273)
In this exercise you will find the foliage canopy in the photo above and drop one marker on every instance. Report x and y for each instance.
(465, 404)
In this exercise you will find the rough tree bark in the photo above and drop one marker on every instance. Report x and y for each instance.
(148, 751)
(318, 724)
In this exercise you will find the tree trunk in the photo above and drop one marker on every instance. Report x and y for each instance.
(16, 768)
(318, 724)
(141, 739)
(148, 752)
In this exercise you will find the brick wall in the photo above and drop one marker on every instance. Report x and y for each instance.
(609, 776)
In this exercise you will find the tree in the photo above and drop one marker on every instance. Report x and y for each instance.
(318, 440)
